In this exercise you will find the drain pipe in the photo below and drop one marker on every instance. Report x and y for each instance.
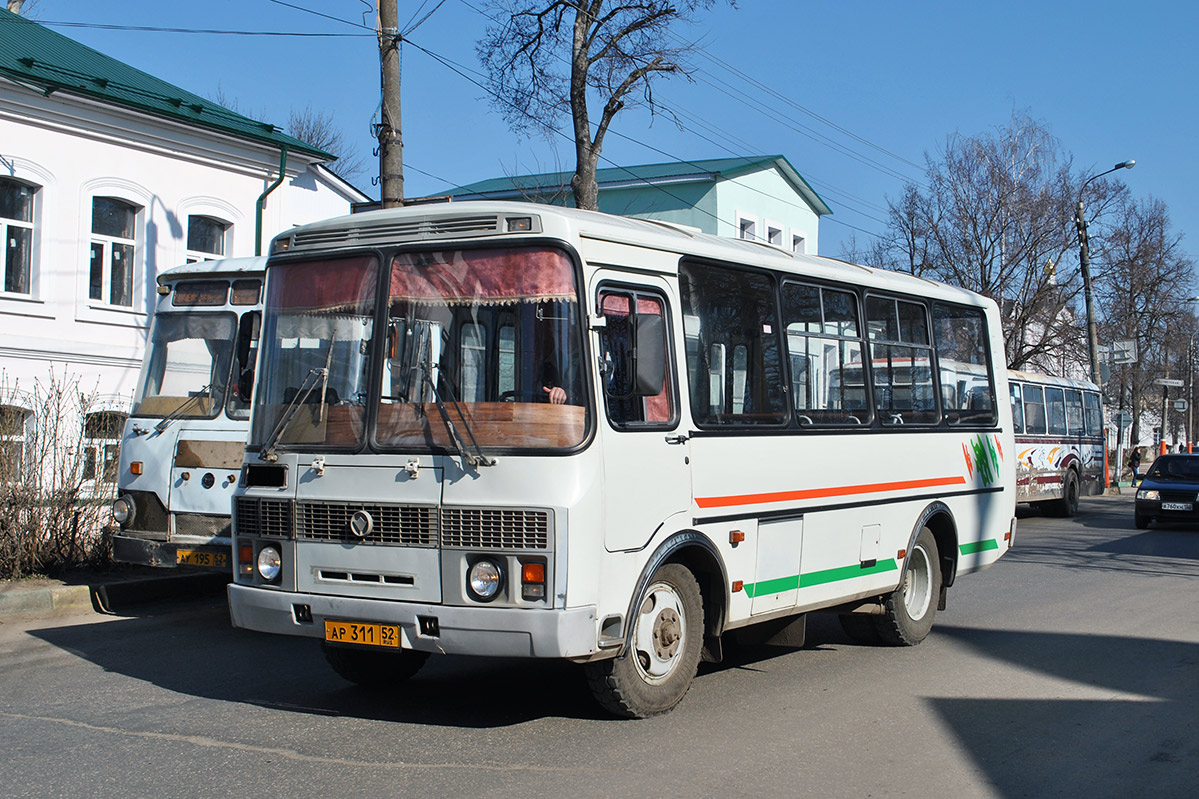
(262, 202)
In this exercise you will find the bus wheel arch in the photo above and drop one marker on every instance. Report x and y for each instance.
(675, 614)
(939, 520)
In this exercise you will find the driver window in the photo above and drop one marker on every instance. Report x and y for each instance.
(626, 311)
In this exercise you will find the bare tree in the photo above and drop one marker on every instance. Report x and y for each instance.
(996, 217)
(546, 57)
(317, 129)
(1142, 285)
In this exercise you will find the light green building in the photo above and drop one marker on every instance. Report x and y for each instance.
(754, 197)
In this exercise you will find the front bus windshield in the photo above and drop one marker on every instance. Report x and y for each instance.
(187, 365)
(485, 343)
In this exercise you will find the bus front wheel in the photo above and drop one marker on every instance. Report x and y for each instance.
(660, 660)
(908, 612)
(372, 669)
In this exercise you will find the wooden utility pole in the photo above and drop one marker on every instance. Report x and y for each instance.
(391, 142)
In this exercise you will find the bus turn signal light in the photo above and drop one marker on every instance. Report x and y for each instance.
(135, 467)
(532, 580)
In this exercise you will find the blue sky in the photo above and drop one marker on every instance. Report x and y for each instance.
(1111, 80)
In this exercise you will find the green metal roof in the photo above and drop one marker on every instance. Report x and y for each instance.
(707, 171)
(33, 55)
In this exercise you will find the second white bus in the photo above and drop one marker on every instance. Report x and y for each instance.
(182, 447)
(520, 430)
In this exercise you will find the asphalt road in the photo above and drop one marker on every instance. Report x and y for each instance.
(1069, 669)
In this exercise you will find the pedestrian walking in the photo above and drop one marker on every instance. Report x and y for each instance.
(1134, 463)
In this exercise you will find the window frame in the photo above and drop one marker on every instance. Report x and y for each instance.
(6, 225)
(671, 389)
(107, 243)
(195, 254)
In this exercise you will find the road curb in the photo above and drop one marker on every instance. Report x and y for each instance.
(104, 596)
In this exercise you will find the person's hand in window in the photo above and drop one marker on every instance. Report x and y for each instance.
(557, 394)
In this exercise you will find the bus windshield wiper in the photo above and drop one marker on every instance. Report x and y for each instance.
(183, 407)
(314, 378)
(475, 459)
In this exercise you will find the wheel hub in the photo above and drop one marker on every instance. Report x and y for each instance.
(668, 632)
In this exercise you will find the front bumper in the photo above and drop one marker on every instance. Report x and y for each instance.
(213, 554)
(499, 632)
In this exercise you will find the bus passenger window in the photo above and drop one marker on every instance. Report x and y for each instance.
(736, 348)
(1034, 410)
(1017, 409)
(825, 352)
(1055, 411)
(967, 385)
(900, 361)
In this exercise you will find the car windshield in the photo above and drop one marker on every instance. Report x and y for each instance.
(187, 365)
(1181, 468)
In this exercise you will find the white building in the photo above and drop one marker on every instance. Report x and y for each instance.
(107, 177)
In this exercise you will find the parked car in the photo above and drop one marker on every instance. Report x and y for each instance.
(1169, 491)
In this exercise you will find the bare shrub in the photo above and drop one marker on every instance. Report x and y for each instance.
(55, 489)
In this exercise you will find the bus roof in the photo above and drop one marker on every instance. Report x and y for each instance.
(463, 221)
(1051, 380)
(220, 266)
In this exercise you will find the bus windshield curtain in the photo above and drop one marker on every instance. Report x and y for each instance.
(482, 277)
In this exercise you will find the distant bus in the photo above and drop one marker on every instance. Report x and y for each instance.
(181, 450)
(518, 430)
(1058, 424)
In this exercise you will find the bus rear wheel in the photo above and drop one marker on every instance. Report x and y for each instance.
(909, 610)
(658, 664)
(1068, 504)
(373, 669)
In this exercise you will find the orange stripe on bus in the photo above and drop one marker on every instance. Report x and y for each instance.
(821, 493)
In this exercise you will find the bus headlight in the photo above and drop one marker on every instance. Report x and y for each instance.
(485, 579)
(123, 511)
(269, 563)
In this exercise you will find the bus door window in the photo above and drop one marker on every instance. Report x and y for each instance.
(900, 361)
(244, 359)
(825, 354)
(1094, 416)
(1017, 408)
(967, 386)
(1055, 411)
(635, 357)
(723, 310)
(1075, 424)
(1034, 411)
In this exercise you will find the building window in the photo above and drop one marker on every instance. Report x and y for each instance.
(747, 228)
(16, 227)
(799, 244)
(14, 424)
(114, 225)
(102, 445)
(774, 235)
(205, 238)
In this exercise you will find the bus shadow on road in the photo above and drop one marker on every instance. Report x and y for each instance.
(1130, 731)
(198, 653)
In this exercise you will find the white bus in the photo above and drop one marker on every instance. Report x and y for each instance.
(182, 447)
(1058, 423)
(521, 430)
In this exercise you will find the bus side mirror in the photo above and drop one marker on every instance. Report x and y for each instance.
(650, 358)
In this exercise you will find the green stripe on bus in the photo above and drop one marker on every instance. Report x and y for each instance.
(780, 584)
(979, 546)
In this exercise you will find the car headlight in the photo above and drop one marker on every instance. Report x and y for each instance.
(1148, 493)
(269, 563)
(123, 511)
(485, 579)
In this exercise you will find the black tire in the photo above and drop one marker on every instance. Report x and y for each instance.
(1141, 521)
(658, 664)
(911, 608)
(374, 669)
(1068, 505)
(860, 628)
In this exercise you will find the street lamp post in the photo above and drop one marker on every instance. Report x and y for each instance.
(1084, 257)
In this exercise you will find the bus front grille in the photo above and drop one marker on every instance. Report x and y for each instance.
(495, 528)
(406, 525)
(263, 516)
